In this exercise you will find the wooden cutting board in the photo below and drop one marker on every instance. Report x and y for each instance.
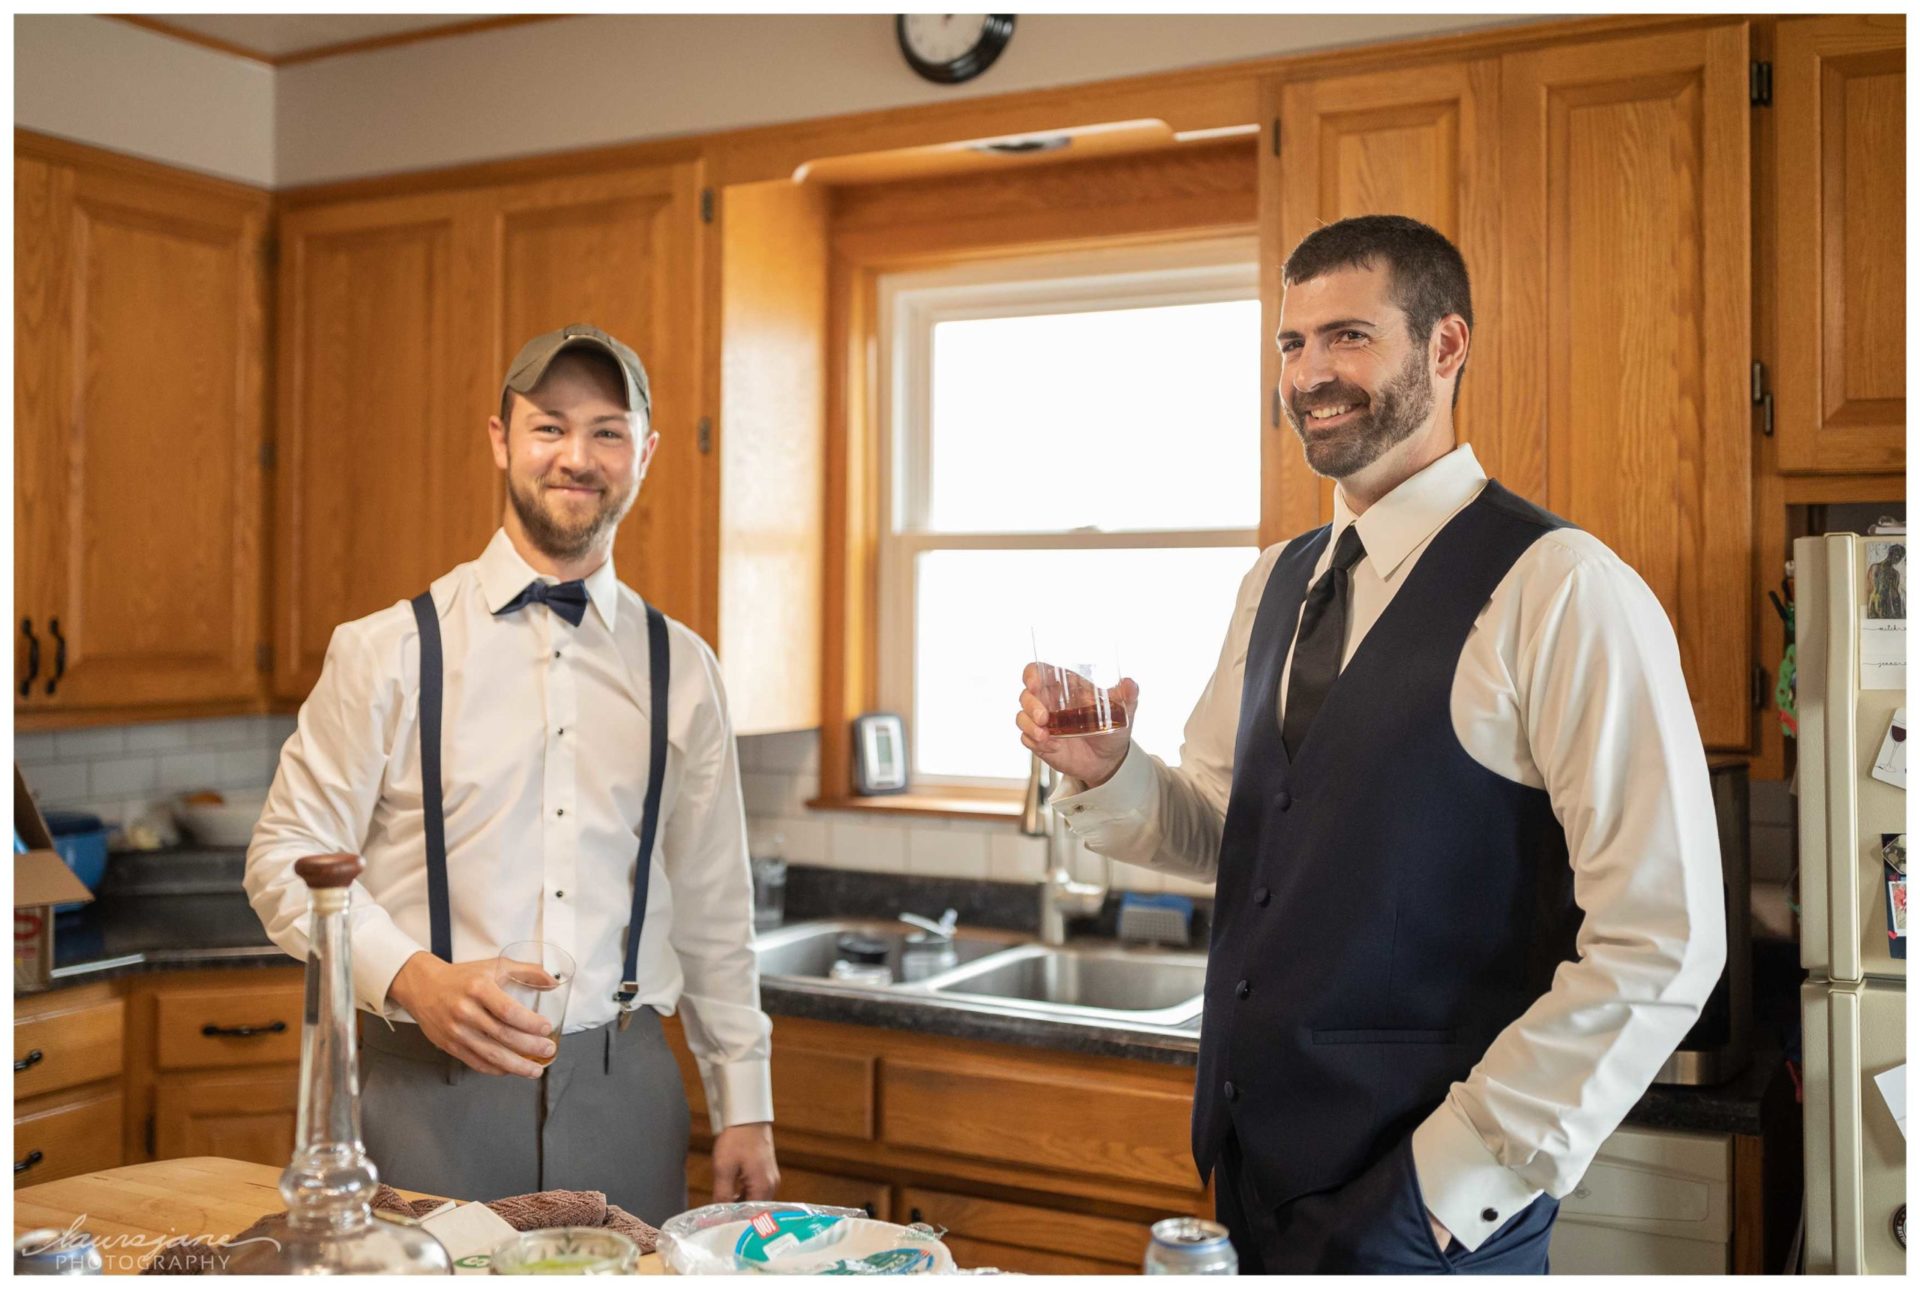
(132, 1211)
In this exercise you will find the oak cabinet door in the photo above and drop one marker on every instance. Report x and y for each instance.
(385, 477)
(140, 345)
(1840, 271)
(1624, 325)
(1423, 144)
(240, 1114)
(622, 251)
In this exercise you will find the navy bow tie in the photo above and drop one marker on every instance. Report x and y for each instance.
(568, 599)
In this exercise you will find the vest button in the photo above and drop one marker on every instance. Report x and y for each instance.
(1263, 897)
(1241, 990)
(1284, 799)
(1232, 1093)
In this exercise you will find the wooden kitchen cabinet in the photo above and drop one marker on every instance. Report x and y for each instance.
(68, 1092)
(1624, 324)
(1028, 1239)
(803, 1185)
(214, 1063)
(1839, 270)
(140, 356)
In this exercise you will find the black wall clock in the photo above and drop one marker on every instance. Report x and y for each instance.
(952, 47)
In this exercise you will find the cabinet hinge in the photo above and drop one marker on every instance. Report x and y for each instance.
(1760, 688)
(269, 455)
(153, 1147)
(263, 657)
(1763, 399)
(705, 434)
(706, 205)
(1276, 136)
(1760, 84)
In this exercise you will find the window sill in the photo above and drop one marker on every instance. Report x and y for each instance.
(980, 809)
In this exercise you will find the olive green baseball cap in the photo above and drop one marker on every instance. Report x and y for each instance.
(530, 365)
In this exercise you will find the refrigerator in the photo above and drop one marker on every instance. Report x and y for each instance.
(1849, 624)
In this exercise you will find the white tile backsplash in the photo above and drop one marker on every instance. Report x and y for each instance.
(118, 772)
(949, 852)
(1012, 856)
(866, 845)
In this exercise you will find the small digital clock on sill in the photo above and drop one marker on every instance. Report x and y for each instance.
(879, 754)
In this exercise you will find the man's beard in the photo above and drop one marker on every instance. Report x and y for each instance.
(1402, 406)
(554, 535)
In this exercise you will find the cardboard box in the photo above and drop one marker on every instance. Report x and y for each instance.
(41, 879)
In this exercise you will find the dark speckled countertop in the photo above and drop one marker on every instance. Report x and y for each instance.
(184, 909)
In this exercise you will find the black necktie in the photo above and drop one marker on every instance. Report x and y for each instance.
(1321, 641)
(568, 599)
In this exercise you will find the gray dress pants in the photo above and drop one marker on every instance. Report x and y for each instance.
(610, 1114)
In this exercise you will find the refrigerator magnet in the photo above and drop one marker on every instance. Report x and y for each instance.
(1891, 765)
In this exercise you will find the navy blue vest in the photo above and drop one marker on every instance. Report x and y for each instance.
(1385, 905)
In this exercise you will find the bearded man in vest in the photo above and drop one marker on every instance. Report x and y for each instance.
(1448, 783)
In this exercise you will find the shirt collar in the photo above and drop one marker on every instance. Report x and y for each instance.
(503, 575)
(1394, 526)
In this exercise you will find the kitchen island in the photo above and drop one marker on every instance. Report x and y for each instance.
(132, 1212)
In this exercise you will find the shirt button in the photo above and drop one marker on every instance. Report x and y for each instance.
(559, 895)
(1241, 990)
(556, 653)
(561, 813)
(1284, 799)
(1232, 1093)
(563, 731)
(1262, 897)
(1489, 1215)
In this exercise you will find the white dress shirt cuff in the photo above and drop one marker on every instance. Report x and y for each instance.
(1471, 1192)
(380, 949)
(1126, 796)
(738, 1092)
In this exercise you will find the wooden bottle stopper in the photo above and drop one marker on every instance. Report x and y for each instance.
(329, 872)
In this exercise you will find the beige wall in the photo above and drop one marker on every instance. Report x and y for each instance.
(111, 84)
(585, 81)
(576, 82)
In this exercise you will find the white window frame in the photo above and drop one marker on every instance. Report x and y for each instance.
(909, 305)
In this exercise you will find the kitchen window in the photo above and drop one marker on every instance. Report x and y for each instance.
(1071, 435)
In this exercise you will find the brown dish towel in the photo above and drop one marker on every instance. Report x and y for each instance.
(533, 1212)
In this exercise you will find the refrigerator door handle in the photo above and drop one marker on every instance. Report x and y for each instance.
(1849, 1168)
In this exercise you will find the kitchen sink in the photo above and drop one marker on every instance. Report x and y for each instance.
(807, 951)
(1134, 986)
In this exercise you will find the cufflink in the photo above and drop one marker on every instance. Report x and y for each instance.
(1489, 1215)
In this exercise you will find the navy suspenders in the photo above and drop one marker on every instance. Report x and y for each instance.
(432, 682)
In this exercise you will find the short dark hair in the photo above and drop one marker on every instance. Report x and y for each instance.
(1428, 273)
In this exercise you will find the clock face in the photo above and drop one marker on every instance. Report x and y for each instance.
(952, 47)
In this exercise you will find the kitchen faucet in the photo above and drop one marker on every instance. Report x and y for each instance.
(1060, 894)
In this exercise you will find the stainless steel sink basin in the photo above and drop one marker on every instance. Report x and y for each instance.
(1124, 985)
(807, 951)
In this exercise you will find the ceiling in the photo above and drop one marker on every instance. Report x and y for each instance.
(275, 36)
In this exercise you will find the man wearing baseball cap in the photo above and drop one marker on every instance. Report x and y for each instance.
(528, 752)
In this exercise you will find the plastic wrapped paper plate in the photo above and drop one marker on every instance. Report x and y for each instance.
(772, 1238)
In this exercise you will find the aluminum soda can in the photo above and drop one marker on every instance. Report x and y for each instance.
(49, 1252)
(1189, 1246)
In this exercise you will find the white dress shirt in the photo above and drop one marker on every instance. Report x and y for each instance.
(544, 741)
(1570, 681)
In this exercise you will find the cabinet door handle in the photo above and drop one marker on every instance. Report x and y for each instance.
(59, 653)
(913, 1215)
(21, 1165)
(868, 1206)
(33, 657)
(243, 1031)
(30, 1060)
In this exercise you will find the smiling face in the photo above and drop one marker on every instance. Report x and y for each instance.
(1353, 379)
(574, 458)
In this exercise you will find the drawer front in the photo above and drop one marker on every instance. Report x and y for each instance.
(825, 1092)
(1059, 1237)
(1041, 1119)
(67, 1049)
(799, 1186)
(217, 1028)
(80, 1137)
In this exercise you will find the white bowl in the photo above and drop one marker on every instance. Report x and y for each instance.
(227, 824)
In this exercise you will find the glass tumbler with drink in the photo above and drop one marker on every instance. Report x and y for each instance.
(1078, 672)
(538, 976)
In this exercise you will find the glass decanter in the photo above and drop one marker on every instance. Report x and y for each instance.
(328, 1188)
